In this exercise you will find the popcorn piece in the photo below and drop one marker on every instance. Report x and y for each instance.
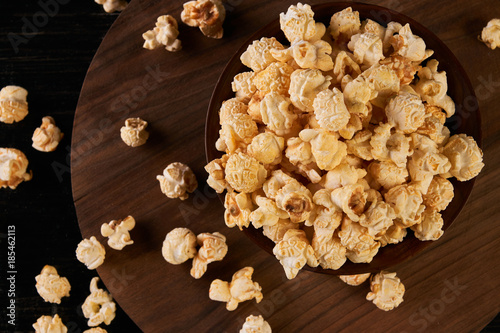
(255, 324)
(213, 248)
(238, 208)
(177, 181)
(393, 235)
(351, 199)
(385, 82)
(231, 108)
(208, 15)
(406, 112)
(439, 194)
(238, 130)
(267, 148)
(47, 136)
(51, 286)
(275, 77)
(307, 55)
(277, 231)
(90, 252)
(410, 46)
(294, 251)
(330, 252)
(357, 94)
(367, 48)
(305, 85)
(13, 104)
(98, 307)
(374, 28)
(465, 156)
(407, 204)
(134, 132)
(243, 86)
(48, 324)
(111, 6)
(13, 165)
(258, 55)
(117, 232)
(240, 289)
(490, 35)
(390, 146)
(431, 227)
(276, 182)
(254, 106)
(355, 280)
(244, 173)
(165, 33)
(378, 218)
(268, 213)
(360, 146)
(342, 175)
(296, 200)
(95, 330)
(388, 174)
(326, 216)
(391, 29)
(345, 65)
(298, 24)
(327, 150)
(404, 68)
(361, 246)
(179, 246)
(330, 110)
(354, 125)
(433, 126)
(276, 112)
(386, 290)
(344, 24)
(216, 174)
(299, 153)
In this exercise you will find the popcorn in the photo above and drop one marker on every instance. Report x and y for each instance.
(360, 146)
(165, 33)
(367, 48)
(243, 86)
(95, 330)
(410, 46)
(277, 231)
(305, 85)
(326, 149)
(238, 208)
(307, 55)
(47, 136)
(111, 6)
(342, 175)
(268, 213)
(360, 245)
(387, 145)
(267, 148)
(407, 204)
(216, 174)
(294, 251)
(296, 200)
(385, 83)
(299, 153)
(258, 55)
(50, 286)
(208, 15)
(276, 112)
(213, 248)
(177, 181)
(48, 324)
(328, 249)
(378, 218)
(406, 112)
(298, 24)
(391, 29)
(240, 289)
(275, 77)
(255, 324)
(431, 227)
(373, 27)
(179, 246)
(134, 132)
(98, 307)
(393, 235)
(244, 173)
(90, 252)
(325, 215)
(404, 68)
(351, 199)
(465, 156)
(357, 94)
(117, 232)
(490, 35)
(433, 125)
(344, 24)
(330, 110)
(345, 65)
(386, 290)
(355, 280)
(238, 130)
(354, 125)
(13, 165)
(439, 194)
(13, 104)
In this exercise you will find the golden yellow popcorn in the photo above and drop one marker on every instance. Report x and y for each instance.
(354, 125)
(406, 112)
(258, 55)
(351, 199)
(490, 35)
(296, 200)
(277, 113)
(326, 214)
(374, 28)
(345, 65)
(360, 146)
(230, 108)
(51, 286)
(13, 165)
(255, 324)
(165, 33)
(13, 104)
(237, 131)
(387, 173)
(298, 24)
(208, 15)
(385, 83)
(344, 24)
(95, 330)
(277, 231)
(378, 218)
(433, 126)
(386, 290)
(134, 132)
(267, 148)
(393, 235)
(465, 156)
(299, 154)
(294, 251)
(306, 54)
(98, 307)
(90, 252)
(243, 86)
(213, 248)
(423, 165)
(275, 77)
(305, 84)
(367, 48)
(404, 68)
(407, 203)
(410, 46)
(342, 175)
(238, 208)
(391, 29)
(431, 227)
(389, 145)
(179, 246)
(439, 194)
(117, 232)
(111, 6)
(177, 181)
(48, 324)
(47, 136)
(216, 174)
(357, 94)
(329, 251)
(361, 247)
(355, 280)
(244, 173)
(240, 289)
(326, 149)
(268, 213)
(330, 110)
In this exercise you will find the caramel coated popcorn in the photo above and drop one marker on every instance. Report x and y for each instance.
(165, 33)
(238, 208)
(208, 15)
(98, 307)
(90, 252)
(111, 6)
(47, 136)
(213, 248)
(13, 104)
(355, 280)
(134, 132)
(117, 232)
(49, 324)
(51, 286)
(255, 324)
(490, 35)
(13, 165)
(294, 251)
(386, 291)
(177, 181)
(179, 246)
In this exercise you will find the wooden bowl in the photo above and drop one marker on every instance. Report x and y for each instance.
(466, 120)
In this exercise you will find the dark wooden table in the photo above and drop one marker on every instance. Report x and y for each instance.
(49, 56)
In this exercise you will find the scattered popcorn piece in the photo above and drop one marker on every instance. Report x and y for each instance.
(98, 307)
(277, 231)
(13, 104)
(134, 132)
(330, 110)
(177, 181)
(213, 248)
(238, 208)
(431, 227)
(407, 204)
(345, 24)
(48, 324)
(298, 24)
(208, 15)
(258, 55)
(90, 252)
(240, 289)
(95, 330)
(51, 286)
(255, 324)
(439, 194)
(13, 165)
(367, 48)
(165, 33)
(361, 246)
(386, 290)
(111, 6)
(244, 173)
(179, 246)
(490, 35)
(243, 86)
(305, 84)
(465, 156)
(117, 232)
(406, 112)
(294, 251)
(47, 136)
(355, 280)
(216, 174)
(267, 148)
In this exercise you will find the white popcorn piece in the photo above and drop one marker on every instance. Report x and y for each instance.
(406, 112)
(208, 15)
(431, 227)
(357, 94)
(407, 203)
(277, 231)
(326, 149)
(50, 286)
(354, 125)
(296, 200)
(378, 218)
(439, 194)
(177, 181)
(330, 110)
(117, 232)
(244, 173)
(298, 24)
(238, 208)
(240, 289)
(237, 131)
(391, 29)
(356, 279)
(47, 136)
(134, 132)
(307, 55)
(351, 199)
(13, 165)
(299, 153)
(344, 24)
(243, 86)
(179, 246)
(373, 27)
(165, 33)
(90, 252)
(48, 324)
(433, 125)
(230, 108)
(111, 6)
(277, 113)
(345, 65)
(404, 68)
(385, 83)
(276, 182)
(258, 54)
(275, 77)
(267, 148)
(95, 330)
(389, 145)
(98, 307)
(490, 35)
(410, 46)
(13, 104)
(305, 84)
(216, 174)
(329, 251)
(387, 173)
(213, 248)
(367, 48)
(255, 324)
(342, 175)
(294, 251)
(361, 246)
(386, 290)
(395, 234)
(326, 215)
(268, 213)
(360, 146)
(465, 156)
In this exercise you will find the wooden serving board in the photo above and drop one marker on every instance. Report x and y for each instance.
(452, 286)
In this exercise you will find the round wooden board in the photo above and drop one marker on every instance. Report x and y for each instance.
(451, 286)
